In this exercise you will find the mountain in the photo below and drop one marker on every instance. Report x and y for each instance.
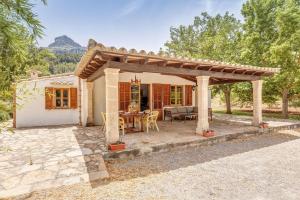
(65, 45)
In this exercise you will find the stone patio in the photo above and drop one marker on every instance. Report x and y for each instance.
(39, 158)
(182, 133)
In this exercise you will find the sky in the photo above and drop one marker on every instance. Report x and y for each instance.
(139, 24)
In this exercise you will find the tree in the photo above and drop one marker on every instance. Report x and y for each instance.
(19, 28)
(209, 37)
(272, 38)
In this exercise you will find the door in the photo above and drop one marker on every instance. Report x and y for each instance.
(160, 97)
(144, 94)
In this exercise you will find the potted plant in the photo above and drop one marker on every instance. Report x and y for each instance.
(264, 125)
(208, 133)
(119, 145)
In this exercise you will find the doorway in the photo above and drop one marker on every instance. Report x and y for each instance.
(144, 94)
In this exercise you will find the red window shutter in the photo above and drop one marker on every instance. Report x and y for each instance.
(73, 98)
(166, 91)
(157, 98)
(124, 95)
(49, 96)
(188, 95)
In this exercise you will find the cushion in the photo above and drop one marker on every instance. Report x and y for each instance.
(182, 109)
(189, 109)
(195, 110)
(176, 115)
(172, 110)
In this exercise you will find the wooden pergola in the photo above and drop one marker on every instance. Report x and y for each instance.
(109, 62)
(98, 57)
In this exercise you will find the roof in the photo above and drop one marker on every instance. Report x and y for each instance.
(48, 77)
(98, 54)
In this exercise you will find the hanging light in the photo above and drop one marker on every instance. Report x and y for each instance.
(135, 81)
(194, 87)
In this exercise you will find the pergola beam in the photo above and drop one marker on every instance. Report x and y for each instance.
(139, 68)
(133, 67)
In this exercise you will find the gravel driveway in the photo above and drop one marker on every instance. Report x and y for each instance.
(260, 167)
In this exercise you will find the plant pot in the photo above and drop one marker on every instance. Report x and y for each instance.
(116, 146)
(264, 125)
(209, 133)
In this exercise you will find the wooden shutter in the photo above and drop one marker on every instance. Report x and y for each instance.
(49, 96)
(161, 97)
(157, 96)
(188, 95)
(73, 98)
(166, 94)
(124, 95)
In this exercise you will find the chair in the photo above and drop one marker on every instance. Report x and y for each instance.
(103, 114)
(146, 114)
(122, 125)
(150, 121)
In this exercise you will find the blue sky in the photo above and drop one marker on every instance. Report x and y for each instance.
(140, 24)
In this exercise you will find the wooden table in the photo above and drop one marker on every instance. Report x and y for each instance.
(131, 116)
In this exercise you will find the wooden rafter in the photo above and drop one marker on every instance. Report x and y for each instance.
(132, 61)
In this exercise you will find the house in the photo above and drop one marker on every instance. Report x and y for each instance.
(104, 81)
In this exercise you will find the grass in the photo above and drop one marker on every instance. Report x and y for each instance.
(265, 114)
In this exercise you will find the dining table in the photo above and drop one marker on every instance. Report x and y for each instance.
(129, 117)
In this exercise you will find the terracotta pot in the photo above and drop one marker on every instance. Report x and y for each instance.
(209, 133)
(116, 146)
(264, 125)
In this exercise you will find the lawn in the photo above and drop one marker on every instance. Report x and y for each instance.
(266, 113)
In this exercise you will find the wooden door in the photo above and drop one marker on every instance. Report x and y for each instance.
(160, 97)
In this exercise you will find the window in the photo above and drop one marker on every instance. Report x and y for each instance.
(176, 96)
(56, 98)
(61, 98)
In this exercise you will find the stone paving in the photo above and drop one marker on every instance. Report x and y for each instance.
(181, 131)
(38, 158)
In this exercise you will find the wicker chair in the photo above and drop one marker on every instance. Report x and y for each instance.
(150, 121)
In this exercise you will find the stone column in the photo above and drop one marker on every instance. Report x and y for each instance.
(202, 102)
(112, 98)
(90, 103)
(257, 102)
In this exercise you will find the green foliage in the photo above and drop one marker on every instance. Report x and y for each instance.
(272, 38)
(243, 93)
(208, 37)
(63, 68)
(216, 38)
(19, 28)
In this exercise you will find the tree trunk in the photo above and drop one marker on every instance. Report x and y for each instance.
(285, 103)
(227, 93)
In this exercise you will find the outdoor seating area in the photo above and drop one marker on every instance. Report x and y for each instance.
(135, 121)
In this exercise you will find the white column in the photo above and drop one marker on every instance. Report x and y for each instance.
(90, 99)
(112, 98)
(202, 102)
(257, 102)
